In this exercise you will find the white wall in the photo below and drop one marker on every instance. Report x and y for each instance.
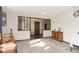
(69, 26)
(12, 23)
(47, 33)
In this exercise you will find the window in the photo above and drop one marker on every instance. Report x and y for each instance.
(23, 23)
(46, 24)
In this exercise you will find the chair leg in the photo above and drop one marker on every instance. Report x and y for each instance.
(16, 50)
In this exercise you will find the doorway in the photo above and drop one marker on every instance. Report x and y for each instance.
(37, 28)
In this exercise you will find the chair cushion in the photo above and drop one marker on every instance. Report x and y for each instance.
(8, 47)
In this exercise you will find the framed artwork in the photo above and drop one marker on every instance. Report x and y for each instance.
(4, 19)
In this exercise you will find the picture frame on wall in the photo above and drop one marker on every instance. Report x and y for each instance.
(4, 19)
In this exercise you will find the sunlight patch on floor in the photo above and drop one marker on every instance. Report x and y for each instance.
(34, 41)
(47, 47)
(37, 43)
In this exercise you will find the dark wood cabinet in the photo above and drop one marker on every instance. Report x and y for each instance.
(57, 35)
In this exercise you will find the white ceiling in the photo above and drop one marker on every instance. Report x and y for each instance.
(38, 11)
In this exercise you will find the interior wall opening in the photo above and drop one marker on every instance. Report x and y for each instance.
(36, 26)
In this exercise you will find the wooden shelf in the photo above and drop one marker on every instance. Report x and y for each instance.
(57, 35)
